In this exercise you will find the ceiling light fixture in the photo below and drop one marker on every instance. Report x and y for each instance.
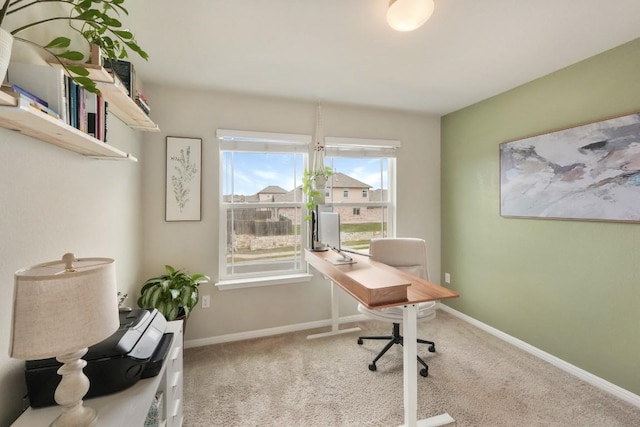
(408, 15)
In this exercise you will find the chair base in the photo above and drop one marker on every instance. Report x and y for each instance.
(396, 338)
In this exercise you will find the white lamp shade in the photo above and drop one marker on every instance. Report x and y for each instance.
(56, 311)
(407, 15)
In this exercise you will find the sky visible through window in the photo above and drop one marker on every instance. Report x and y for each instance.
(253, 172)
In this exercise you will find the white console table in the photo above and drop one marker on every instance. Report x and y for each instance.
(129, 407)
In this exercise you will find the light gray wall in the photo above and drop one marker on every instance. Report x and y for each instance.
(54, 201)
(194, 245)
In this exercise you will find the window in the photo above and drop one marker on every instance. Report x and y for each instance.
(262, 227)
(367, 167)
(262, 232)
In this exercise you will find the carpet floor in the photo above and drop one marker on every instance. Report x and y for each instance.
(480, 380)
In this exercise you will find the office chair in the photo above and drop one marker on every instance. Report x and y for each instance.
(410, 255)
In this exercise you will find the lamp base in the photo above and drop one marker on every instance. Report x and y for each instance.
(77, 416)
(69, 393)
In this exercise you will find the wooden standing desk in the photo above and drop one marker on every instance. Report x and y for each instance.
(377, 285)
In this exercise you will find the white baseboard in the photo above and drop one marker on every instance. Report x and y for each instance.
(587, 377)
(270, 331)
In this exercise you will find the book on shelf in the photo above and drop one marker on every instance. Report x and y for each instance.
(40, 108)
(124, 71)
(82, 108)
(100, 114)
(96, 113)
(26, 97)
(44, 82)
(141, 101)
(88, 111)
(73, 102)
(91, 103)
(22, 91)
(105, 125)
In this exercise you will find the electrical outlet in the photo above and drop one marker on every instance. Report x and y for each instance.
(206, 301)
(447, 278)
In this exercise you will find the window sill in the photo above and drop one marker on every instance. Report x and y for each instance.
(255, 282)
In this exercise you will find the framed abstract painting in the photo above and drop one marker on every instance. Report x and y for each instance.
(183, 179)
(589, 172)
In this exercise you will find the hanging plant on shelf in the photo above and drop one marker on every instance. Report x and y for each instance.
(315, 194)
(96, 21)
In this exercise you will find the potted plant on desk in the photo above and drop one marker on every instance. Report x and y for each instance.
(174, 294)
(95, 21)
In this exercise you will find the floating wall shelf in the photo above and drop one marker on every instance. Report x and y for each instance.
(16, 114)
(19, 116)
(120, 103)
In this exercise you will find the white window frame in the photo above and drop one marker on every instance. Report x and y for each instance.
(363, 148)
(237, 140)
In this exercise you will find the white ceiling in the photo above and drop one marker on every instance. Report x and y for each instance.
(343, 51)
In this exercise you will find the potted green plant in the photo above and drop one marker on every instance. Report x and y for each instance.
(313, 186)
(174, 294)
(96, 21)
(313, 182)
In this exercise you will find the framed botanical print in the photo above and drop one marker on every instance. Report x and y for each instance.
(183, 179)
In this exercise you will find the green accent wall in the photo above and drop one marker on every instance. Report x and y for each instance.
(570, 288)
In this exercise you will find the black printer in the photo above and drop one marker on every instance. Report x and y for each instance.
(136, 350)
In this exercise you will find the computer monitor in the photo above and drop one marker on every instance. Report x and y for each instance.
(316, 243)
(329, 234)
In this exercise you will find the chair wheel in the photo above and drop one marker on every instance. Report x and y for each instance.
(424, 372)
(372, 367)
(360, 341)
(432, 349)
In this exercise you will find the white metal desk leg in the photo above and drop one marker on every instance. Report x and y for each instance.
(410, 355)
(335, 317)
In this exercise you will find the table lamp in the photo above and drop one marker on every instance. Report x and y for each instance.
(61, 308)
